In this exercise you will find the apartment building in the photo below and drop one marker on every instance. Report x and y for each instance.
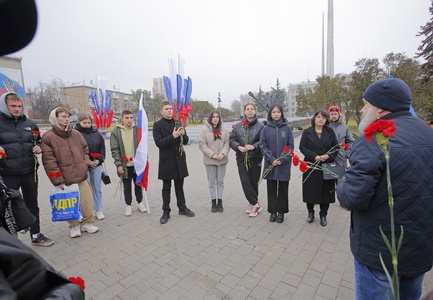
(292, 92)
(77, 96)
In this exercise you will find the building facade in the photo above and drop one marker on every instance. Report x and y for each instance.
(77, 97)
(291, 105)
(158, 88)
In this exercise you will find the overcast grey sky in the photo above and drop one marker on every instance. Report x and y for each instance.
(229, 46)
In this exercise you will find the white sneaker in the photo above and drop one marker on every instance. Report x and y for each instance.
(249, 208)
(256, 209)
(75, 231)
(141, 207)
(128, 211)
(99, 215)
(89, 228)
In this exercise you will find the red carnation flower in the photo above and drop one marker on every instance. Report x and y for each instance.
(36, 132)
(286, 148)
(386, 127)
(78, 281)
(303, 166)
(51, 174)
(244, 123)
(95, 155)
(344, 145)
(295, 160)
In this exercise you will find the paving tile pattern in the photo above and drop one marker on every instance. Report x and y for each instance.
(210, 256)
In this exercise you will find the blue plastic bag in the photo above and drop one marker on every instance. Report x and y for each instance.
(65, 204)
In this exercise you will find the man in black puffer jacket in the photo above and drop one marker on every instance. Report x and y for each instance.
(363, 190)
(20, 141)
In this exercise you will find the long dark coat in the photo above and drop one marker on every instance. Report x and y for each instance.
(315, 189)
(272, 141)
(172, 163)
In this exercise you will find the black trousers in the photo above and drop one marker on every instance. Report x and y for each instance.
(250, 178)
(29, 189)
(166, 193)
(127, 187)
(323, 209)
(278, 196)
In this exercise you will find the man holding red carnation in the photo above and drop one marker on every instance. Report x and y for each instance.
(389, 128)
(20, 142)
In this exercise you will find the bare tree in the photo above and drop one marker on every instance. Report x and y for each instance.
(44, 98)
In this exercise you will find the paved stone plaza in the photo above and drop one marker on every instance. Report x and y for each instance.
(211, 256)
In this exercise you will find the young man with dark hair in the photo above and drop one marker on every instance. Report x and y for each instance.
(123, 144)
(170, 136)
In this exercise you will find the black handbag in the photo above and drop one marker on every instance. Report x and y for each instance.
(104, 176)
(14, 214)
(333, 171)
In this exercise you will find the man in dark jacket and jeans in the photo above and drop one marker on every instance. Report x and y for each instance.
(20, 141)
(169, 138)
(363, 190)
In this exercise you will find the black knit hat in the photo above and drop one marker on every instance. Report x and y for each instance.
(391, 94)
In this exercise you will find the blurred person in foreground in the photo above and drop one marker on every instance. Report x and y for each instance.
(364, 192)
(24, 274)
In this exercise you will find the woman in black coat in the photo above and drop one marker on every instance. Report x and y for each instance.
(96, 144)
(244, 140)
(316, 142)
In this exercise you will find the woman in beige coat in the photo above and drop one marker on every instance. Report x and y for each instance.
(65, 152)
(214, 143)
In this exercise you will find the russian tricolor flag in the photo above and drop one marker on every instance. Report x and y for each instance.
(140, 161)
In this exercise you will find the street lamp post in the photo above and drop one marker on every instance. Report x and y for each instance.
(219, 103)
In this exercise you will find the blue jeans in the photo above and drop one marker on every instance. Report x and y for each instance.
(372, 284)
(96, 186)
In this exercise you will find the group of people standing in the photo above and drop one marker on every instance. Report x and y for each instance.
(271, 143)
(77, 155)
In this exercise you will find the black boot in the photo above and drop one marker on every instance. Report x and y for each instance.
(220, 205)
(214, 207)
(310, 218)
(323, 221)
(273, 217)
(165, 217)
(280, 217)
